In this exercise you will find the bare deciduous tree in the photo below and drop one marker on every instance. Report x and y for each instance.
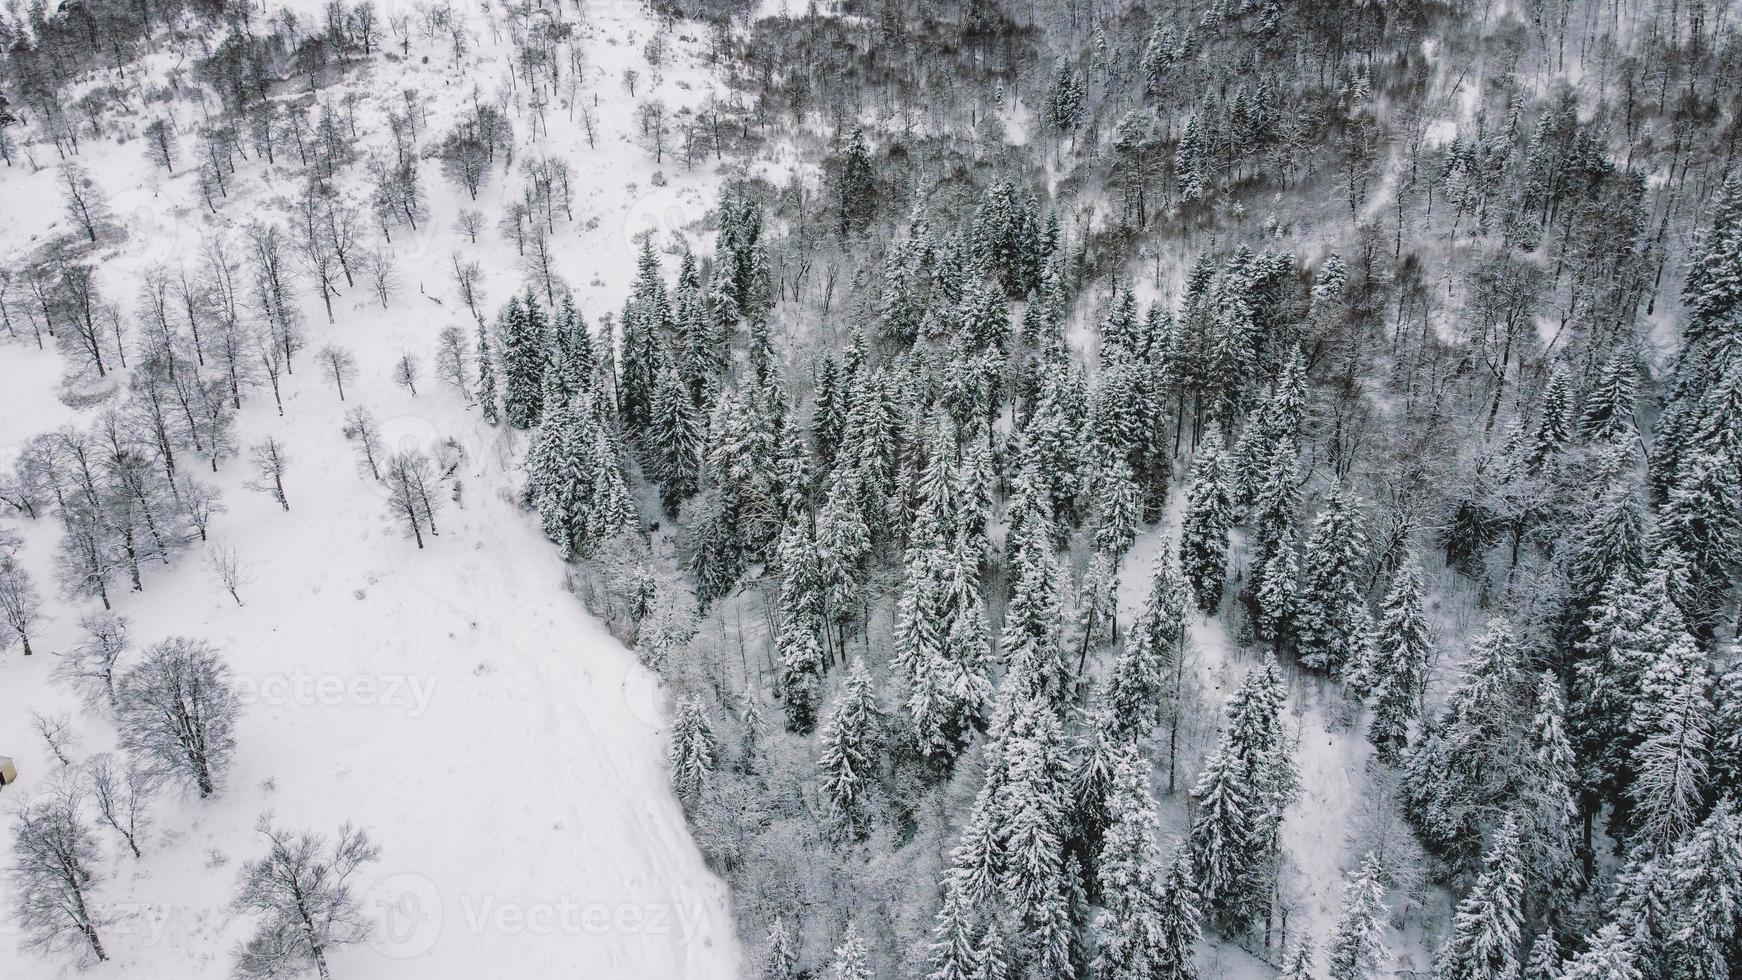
(451, 359)
(301, 890)
(91, 667)
(19, 602)
(121, 792)
(55, 866)
(339, 366)
(405, 372)
(411, 487)
(57, 732)
(228, 569)
(199, 501)
(361, 427)
(269, 461)
(84, 200)
(469, 223)
(177, 714)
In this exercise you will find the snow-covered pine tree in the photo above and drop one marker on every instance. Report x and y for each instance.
(1555, 422)
(1544, 961)
(1358, 943)
(780, 961)
(1331, 618)
(1713, 288)
(1486, 937)
(799, 640)
(1030, 813)
(848, 746)
(646, 316)
(1546, 812)
(1128, 869)
(1223, 831)
(1465, 764)
(1611, 954)
(1190, 166)
(674, 439)
(692, 750)
(1704, 879)
(1608, 410)
(1395, 672)
(1120, 508)
(1670, 724)
(1209, 513)
(1177, 910)
(1630, 625)
(486, 392)
(1276, 594)
(1297, 961)
(954, 949)
(1140, 683)
(850, 956)
(520, 337)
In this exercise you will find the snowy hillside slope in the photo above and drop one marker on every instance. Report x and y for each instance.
(505, 752)
(1320, 840)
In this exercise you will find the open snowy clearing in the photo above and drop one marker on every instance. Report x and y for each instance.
(505, 751)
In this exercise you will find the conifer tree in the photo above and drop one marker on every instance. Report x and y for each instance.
(1486, 928)
(799, 640)
(521, 335)
(486, 377)
(954, 946)
(1203, 544)
(1608, 412)
(849, 745)
(1544, 961)
(1331, 617)
(1395, 673)
(857, 185)
(1297, 962)
(646, 316)
(1029, 811)
(1224, 828)
(1276, 594)
(1546, 810)
(674, 439)
(1121, 509)
(1133, 943)
(1671, 724)
(1138, 685)
(849, 962)
(1610, 955)
(977, 860)
(780, 962)
(1632, 623)
(1465, 764)
(1713, 288)
(1190, 167)
(692, 750)
(1554, 425)
(1726, 770)
(1358, 944)
(1704, 878)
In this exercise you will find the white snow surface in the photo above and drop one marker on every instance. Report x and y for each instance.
(505, 752)
(1329, 757)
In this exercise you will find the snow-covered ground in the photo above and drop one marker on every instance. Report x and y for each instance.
(505, 752)
(1329, 754)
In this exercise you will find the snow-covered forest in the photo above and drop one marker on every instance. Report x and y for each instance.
(995, 490)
